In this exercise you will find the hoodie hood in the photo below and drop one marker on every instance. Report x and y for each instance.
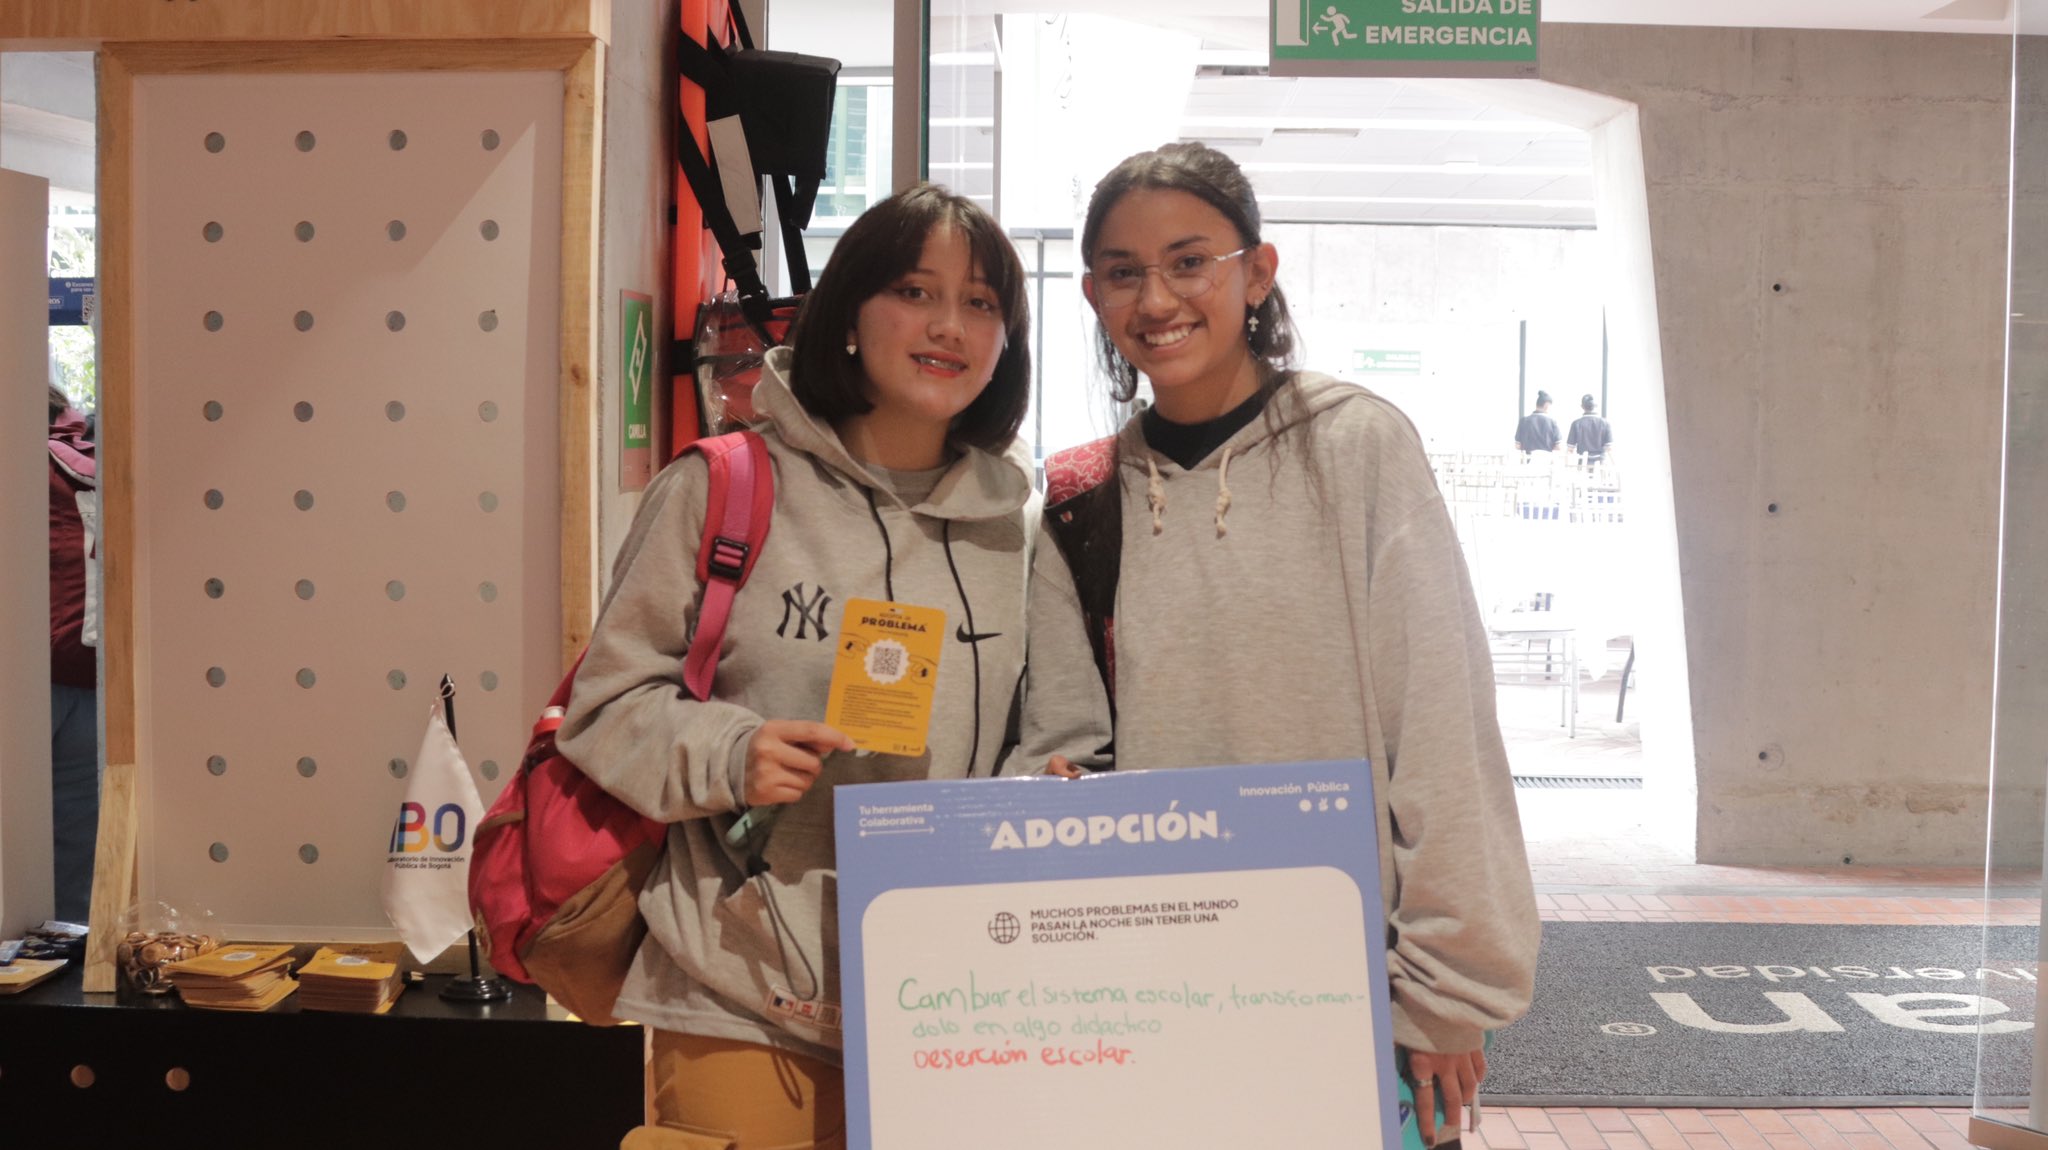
(1302, 399)
(1305, 396)
(981, 484)
(72, 450)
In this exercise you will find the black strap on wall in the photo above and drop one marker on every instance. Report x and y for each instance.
(707, 67)
(775, 99)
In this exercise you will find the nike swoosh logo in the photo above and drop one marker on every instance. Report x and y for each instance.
(966, 636)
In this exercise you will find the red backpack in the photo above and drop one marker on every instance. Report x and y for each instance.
(1084, 516)
(556, 871)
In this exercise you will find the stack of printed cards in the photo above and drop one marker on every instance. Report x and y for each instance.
(235, 977)
(23, 973)
(360, 978)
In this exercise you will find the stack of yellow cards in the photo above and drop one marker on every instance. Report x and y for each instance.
(23, 973)
(235, 977)
(360, 979)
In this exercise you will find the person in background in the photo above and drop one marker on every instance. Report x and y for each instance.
(1303, 508)
(891, 421)
(1537, 431)
(74, 671)
(1590, 436)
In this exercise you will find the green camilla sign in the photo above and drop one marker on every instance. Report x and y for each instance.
(1405, 37)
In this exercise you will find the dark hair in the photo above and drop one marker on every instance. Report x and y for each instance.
(59, 403)
(883, 244)
(1098, 518)
(1215, 179)
(1586, 402)
(1542, 397)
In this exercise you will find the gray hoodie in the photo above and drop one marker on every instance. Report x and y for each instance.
(757, 959)
(1268, 612)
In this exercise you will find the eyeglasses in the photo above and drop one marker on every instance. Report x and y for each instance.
(1189, 275)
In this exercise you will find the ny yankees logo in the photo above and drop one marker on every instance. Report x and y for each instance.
(808, 614)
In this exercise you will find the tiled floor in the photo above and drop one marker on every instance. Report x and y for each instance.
(1606, 855)
(1571, 1128)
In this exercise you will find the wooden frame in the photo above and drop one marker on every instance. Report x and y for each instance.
(581, 62)
(86, 24)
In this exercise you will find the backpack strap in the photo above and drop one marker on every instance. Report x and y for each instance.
(1084, 515)
(1078, 470)
(736, 514)
(540, 745)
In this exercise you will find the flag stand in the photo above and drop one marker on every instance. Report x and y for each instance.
(475, 989)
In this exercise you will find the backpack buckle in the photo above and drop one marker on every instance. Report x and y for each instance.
(728, 557)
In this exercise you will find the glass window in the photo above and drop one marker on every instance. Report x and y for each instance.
(2011, 1109)
(48, 131)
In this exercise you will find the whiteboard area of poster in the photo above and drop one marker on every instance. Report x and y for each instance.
(1185, 957)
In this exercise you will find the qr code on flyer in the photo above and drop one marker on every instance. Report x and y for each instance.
(886, 661)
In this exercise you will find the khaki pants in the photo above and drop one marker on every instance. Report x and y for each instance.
(716, 1094)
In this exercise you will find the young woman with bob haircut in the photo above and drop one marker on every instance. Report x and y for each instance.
(891, 421)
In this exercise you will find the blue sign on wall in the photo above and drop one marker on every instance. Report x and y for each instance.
(1119, 960)
(71, 301)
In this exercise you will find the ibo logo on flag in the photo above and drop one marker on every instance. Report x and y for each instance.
(446, 833)
(426, 877)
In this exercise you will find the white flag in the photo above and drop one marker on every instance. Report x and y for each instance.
(426, 881)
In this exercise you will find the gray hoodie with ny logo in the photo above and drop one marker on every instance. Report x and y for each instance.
(756, 959)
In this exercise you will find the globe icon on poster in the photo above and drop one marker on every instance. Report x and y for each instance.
(1004, 928)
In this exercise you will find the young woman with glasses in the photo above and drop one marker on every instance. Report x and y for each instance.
(1271, 576)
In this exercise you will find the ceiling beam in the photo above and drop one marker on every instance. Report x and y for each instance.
(82, 25)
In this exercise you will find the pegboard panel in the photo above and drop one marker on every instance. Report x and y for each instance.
(346, 461)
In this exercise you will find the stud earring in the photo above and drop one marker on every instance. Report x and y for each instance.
(852, 348)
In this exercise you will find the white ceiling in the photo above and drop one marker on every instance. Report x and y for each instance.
(1875, 15)
(1392, 151)
(1407, 152)
(857, 32)
(1209, 16)
(1352, 150)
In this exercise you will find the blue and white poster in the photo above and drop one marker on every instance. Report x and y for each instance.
(1171, 958)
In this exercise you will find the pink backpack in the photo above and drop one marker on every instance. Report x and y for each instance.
(556, 871)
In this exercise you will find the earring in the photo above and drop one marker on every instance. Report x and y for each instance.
(1252, 323)
(852, 348)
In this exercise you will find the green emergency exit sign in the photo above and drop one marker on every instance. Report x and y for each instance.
(1405, 37)
(636, 393)
(1378, 361)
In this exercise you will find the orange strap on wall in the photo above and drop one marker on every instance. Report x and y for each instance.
(698, 276)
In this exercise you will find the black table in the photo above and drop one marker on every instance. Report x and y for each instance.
(429, 1073)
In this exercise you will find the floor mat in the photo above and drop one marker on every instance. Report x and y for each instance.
(1688, 1014)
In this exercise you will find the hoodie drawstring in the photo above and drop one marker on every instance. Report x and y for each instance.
(1155, 496)
(973, 644)
(1223, 494)
(888, 552)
